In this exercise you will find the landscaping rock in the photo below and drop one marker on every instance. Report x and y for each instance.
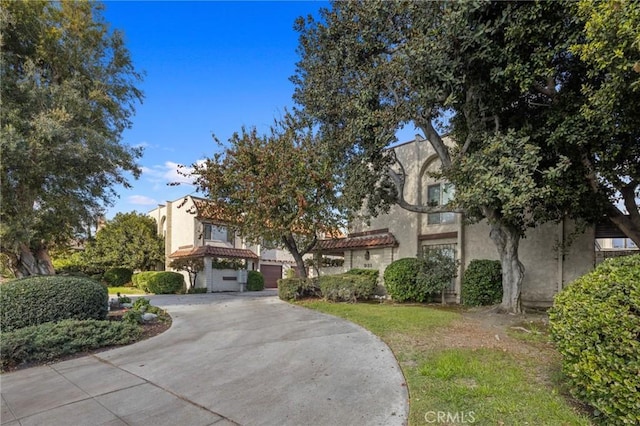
(127, 305)
(149, 317)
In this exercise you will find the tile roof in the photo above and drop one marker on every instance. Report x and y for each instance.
(360, 242)
(213, 251)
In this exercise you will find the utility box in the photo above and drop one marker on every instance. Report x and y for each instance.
(242, 278)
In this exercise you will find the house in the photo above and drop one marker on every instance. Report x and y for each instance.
(550, 261)
(195, 227)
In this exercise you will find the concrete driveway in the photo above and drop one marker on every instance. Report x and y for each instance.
(241, 358)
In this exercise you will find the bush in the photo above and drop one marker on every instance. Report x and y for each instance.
(133, 316)
(36, 300)
(197, 290)
(371, 273)
(255, 281)
(166, 283)
(297, 288)
(482, 283)
(141, 280)
(595, 323)
(418, 279)
(116, 277)
(51, 340)
(348, 287)
(141, 304)
(400, 280)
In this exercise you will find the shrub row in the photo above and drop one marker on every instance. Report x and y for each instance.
(36, 300)
(349, 287)
(595, 323)
(482, 283)
(255, 281)
(298, 288)
(159, 282)
(51, 340)
(356, 284)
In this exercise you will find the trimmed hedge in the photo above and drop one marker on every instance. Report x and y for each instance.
(595, 323)
(400, 280)
(166, 283)
(482, 283)
(116, 277)
(141, 280)
(297, 288)
(348, 287)
(255, 281)
(36, 300)
(51, 340)
(371, 273)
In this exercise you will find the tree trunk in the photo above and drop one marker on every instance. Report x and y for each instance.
(507, 240)
(32, 262)
(629, 225)
(291, 245)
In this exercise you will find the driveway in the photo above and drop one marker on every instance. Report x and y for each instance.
(240, 358)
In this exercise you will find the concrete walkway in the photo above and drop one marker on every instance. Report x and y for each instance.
(240, 358)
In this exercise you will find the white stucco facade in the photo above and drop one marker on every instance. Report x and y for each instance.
(189, 223)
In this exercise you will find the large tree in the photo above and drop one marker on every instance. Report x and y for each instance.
(610, 137)
(68, 92)
(370, 67)
(277, 189)
(129, 240)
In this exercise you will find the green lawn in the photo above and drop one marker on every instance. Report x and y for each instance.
(482, 386)
(126, 291)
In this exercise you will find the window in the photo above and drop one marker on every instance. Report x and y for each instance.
(439, 195)
(618, 243)
(448, 250)
(216, 232)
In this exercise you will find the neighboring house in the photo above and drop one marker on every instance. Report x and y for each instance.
(402, 233)
(195, 227)
(611, 242)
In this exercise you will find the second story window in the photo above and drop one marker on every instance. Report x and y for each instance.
(216, 232)
(439, 195)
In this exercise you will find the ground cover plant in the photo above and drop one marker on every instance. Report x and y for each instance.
(454, 363)
(52, 340)
(58, 339)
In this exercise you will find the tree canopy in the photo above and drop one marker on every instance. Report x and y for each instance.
(504, 75)
(129, 240)
(277, 188)
(68, 92)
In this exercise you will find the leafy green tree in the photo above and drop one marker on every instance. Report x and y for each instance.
(610, 140)
(388, 64)
(130, 240)
(278, 187)
(68, 91)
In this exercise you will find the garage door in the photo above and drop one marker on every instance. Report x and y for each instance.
(272, 273)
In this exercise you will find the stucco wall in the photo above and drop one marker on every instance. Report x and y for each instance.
(547, 269)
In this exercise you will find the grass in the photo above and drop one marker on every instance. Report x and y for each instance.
(126, 291)
(483, 386)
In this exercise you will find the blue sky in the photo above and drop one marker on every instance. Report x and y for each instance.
(211, 67)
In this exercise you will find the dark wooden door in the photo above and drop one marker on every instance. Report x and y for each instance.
(272, 273)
